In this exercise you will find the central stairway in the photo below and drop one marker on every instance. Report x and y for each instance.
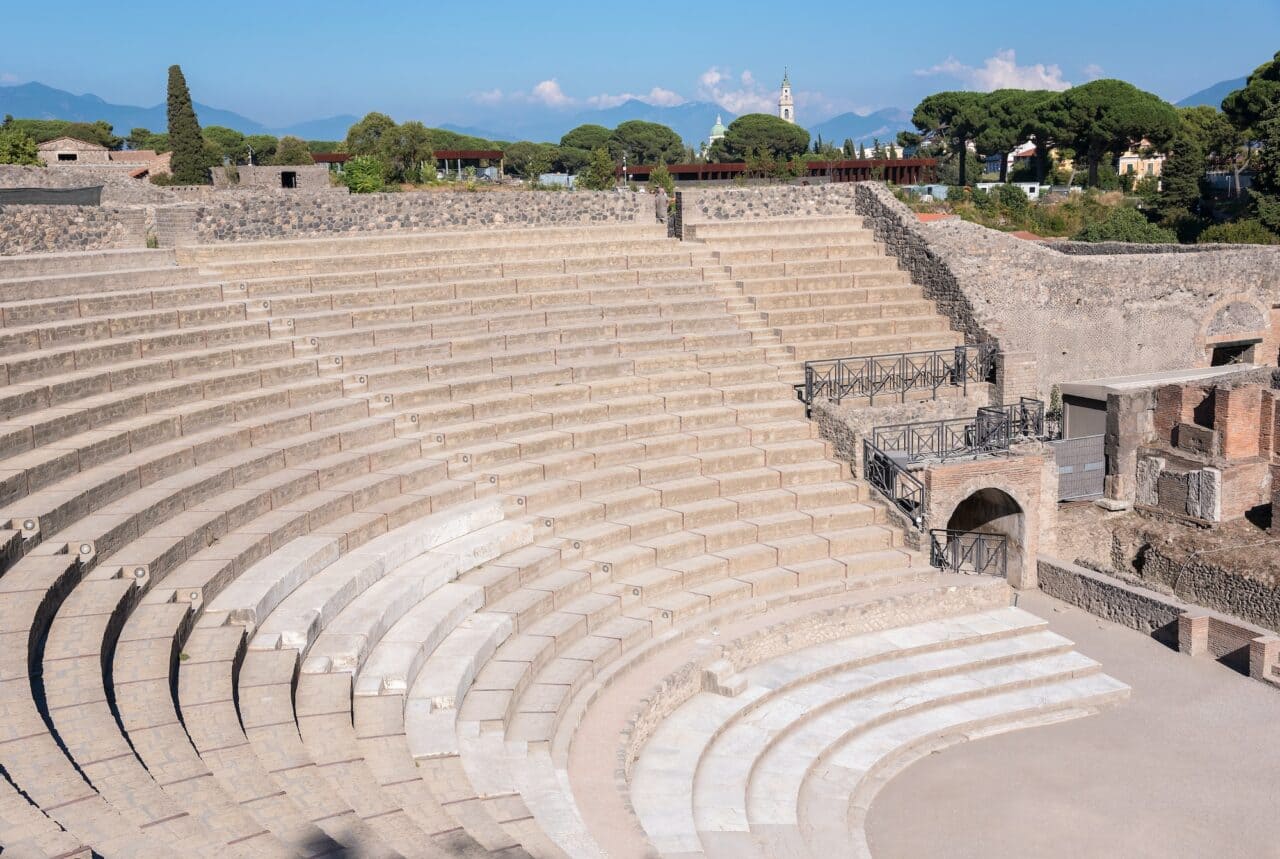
(331, 546)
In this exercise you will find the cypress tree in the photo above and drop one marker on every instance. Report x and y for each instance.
(190, 166)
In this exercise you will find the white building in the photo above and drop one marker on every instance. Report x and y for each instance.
(786, 104)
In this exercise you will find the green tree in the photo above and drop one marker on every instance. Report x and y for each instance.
(99, 132)
(292, 151)
(848, 150)
(1248, 106)
(404, 149)
(1125, 224)
(570, 159)
(589, 137)
(952, 118)
(645, 143)
(1266, 182)
(228, 142)
(757, 132)
(363, 174)
(366, 136)
(1108, 116)
(17, 147)
(261, 148)
(1180, 178)
(529, 160)
(661, 177)
(190, 163)
(138, 138)
(600, 174)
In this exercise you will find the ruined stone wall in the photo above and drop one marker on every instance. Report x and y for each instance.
(1112, 248)
(1110, 598)
(1082, 316)
(258, 217)
(43, 229)
(1227, 578)
(899, 230)
(117, 187)
(774, 201)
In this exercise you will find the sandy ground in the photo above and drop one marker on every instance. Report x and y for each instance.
(1189, 766)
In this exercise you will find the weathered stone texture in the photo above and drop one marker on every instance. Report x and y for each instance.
(278, 216)
(117, 187)
(773, 201)
(41, 229)
(1082, 316)
(1108, 598)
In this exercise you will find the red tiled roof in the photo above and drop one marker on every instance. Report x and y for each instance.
(926, 217)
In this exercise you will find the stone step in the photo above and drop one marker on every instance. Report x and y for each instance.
(711, 230)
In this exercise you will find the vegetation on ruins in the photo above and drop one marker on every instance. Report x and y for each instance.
(363, 174)
(17, 147)
(1125, 224)
(660, 177)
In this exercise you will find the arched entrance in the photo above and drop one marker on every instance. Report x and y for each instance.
(994, 511)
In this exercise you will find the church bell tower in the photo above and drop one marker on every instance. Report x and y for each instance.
(786, 104)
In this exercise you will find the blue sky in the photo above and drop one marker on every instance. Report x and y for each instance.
(281, 61)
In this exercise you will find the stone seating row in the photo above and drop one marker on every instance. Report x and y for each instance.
(484, 241)
(751, 787)
(351, 603)
(810, 296)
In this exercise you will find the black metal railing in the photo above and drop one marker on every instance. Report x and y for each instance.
(969, 552)
(874, 376)
(992, 430)
(892, 480)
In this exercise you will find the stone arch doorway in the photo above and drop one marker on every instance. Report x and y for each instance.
(994, 511)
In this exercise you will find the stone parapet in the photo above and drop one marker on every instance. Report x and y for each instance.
(43, 229)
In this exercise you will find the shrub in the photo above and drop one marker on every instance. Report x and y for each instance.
(1250, 232)
(17, 147)
(1124, 224)
(660, 177)
(363, 174)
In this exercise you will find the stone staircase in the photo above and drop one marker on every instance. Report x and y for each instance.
(821, 287)
(330, 546)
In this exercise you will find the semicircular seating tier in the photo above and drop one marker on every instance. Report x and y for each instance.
(398, 544)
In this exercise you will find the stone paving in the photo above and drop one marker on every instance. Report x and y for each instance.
(1187, 767)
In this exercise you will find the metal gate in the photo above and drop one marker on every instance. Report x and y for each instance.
(1081, 467)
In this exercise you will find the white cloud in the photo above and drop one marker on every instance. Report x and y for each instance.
(740, 95)
(658, 97)
(1001, 72)
(1093, 71)
(549, 93)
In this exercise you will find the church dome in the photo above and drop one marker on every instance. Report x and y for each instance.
(718, 129)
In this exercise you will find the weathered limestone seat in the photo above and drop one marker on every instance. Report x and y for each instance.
(328, 545)
(822, 287)
(743, 774)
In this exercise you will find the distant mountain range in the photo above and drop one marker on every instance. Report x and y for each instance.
(882, 125)
(691, 120)
(37, 101)
(1213, 95)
